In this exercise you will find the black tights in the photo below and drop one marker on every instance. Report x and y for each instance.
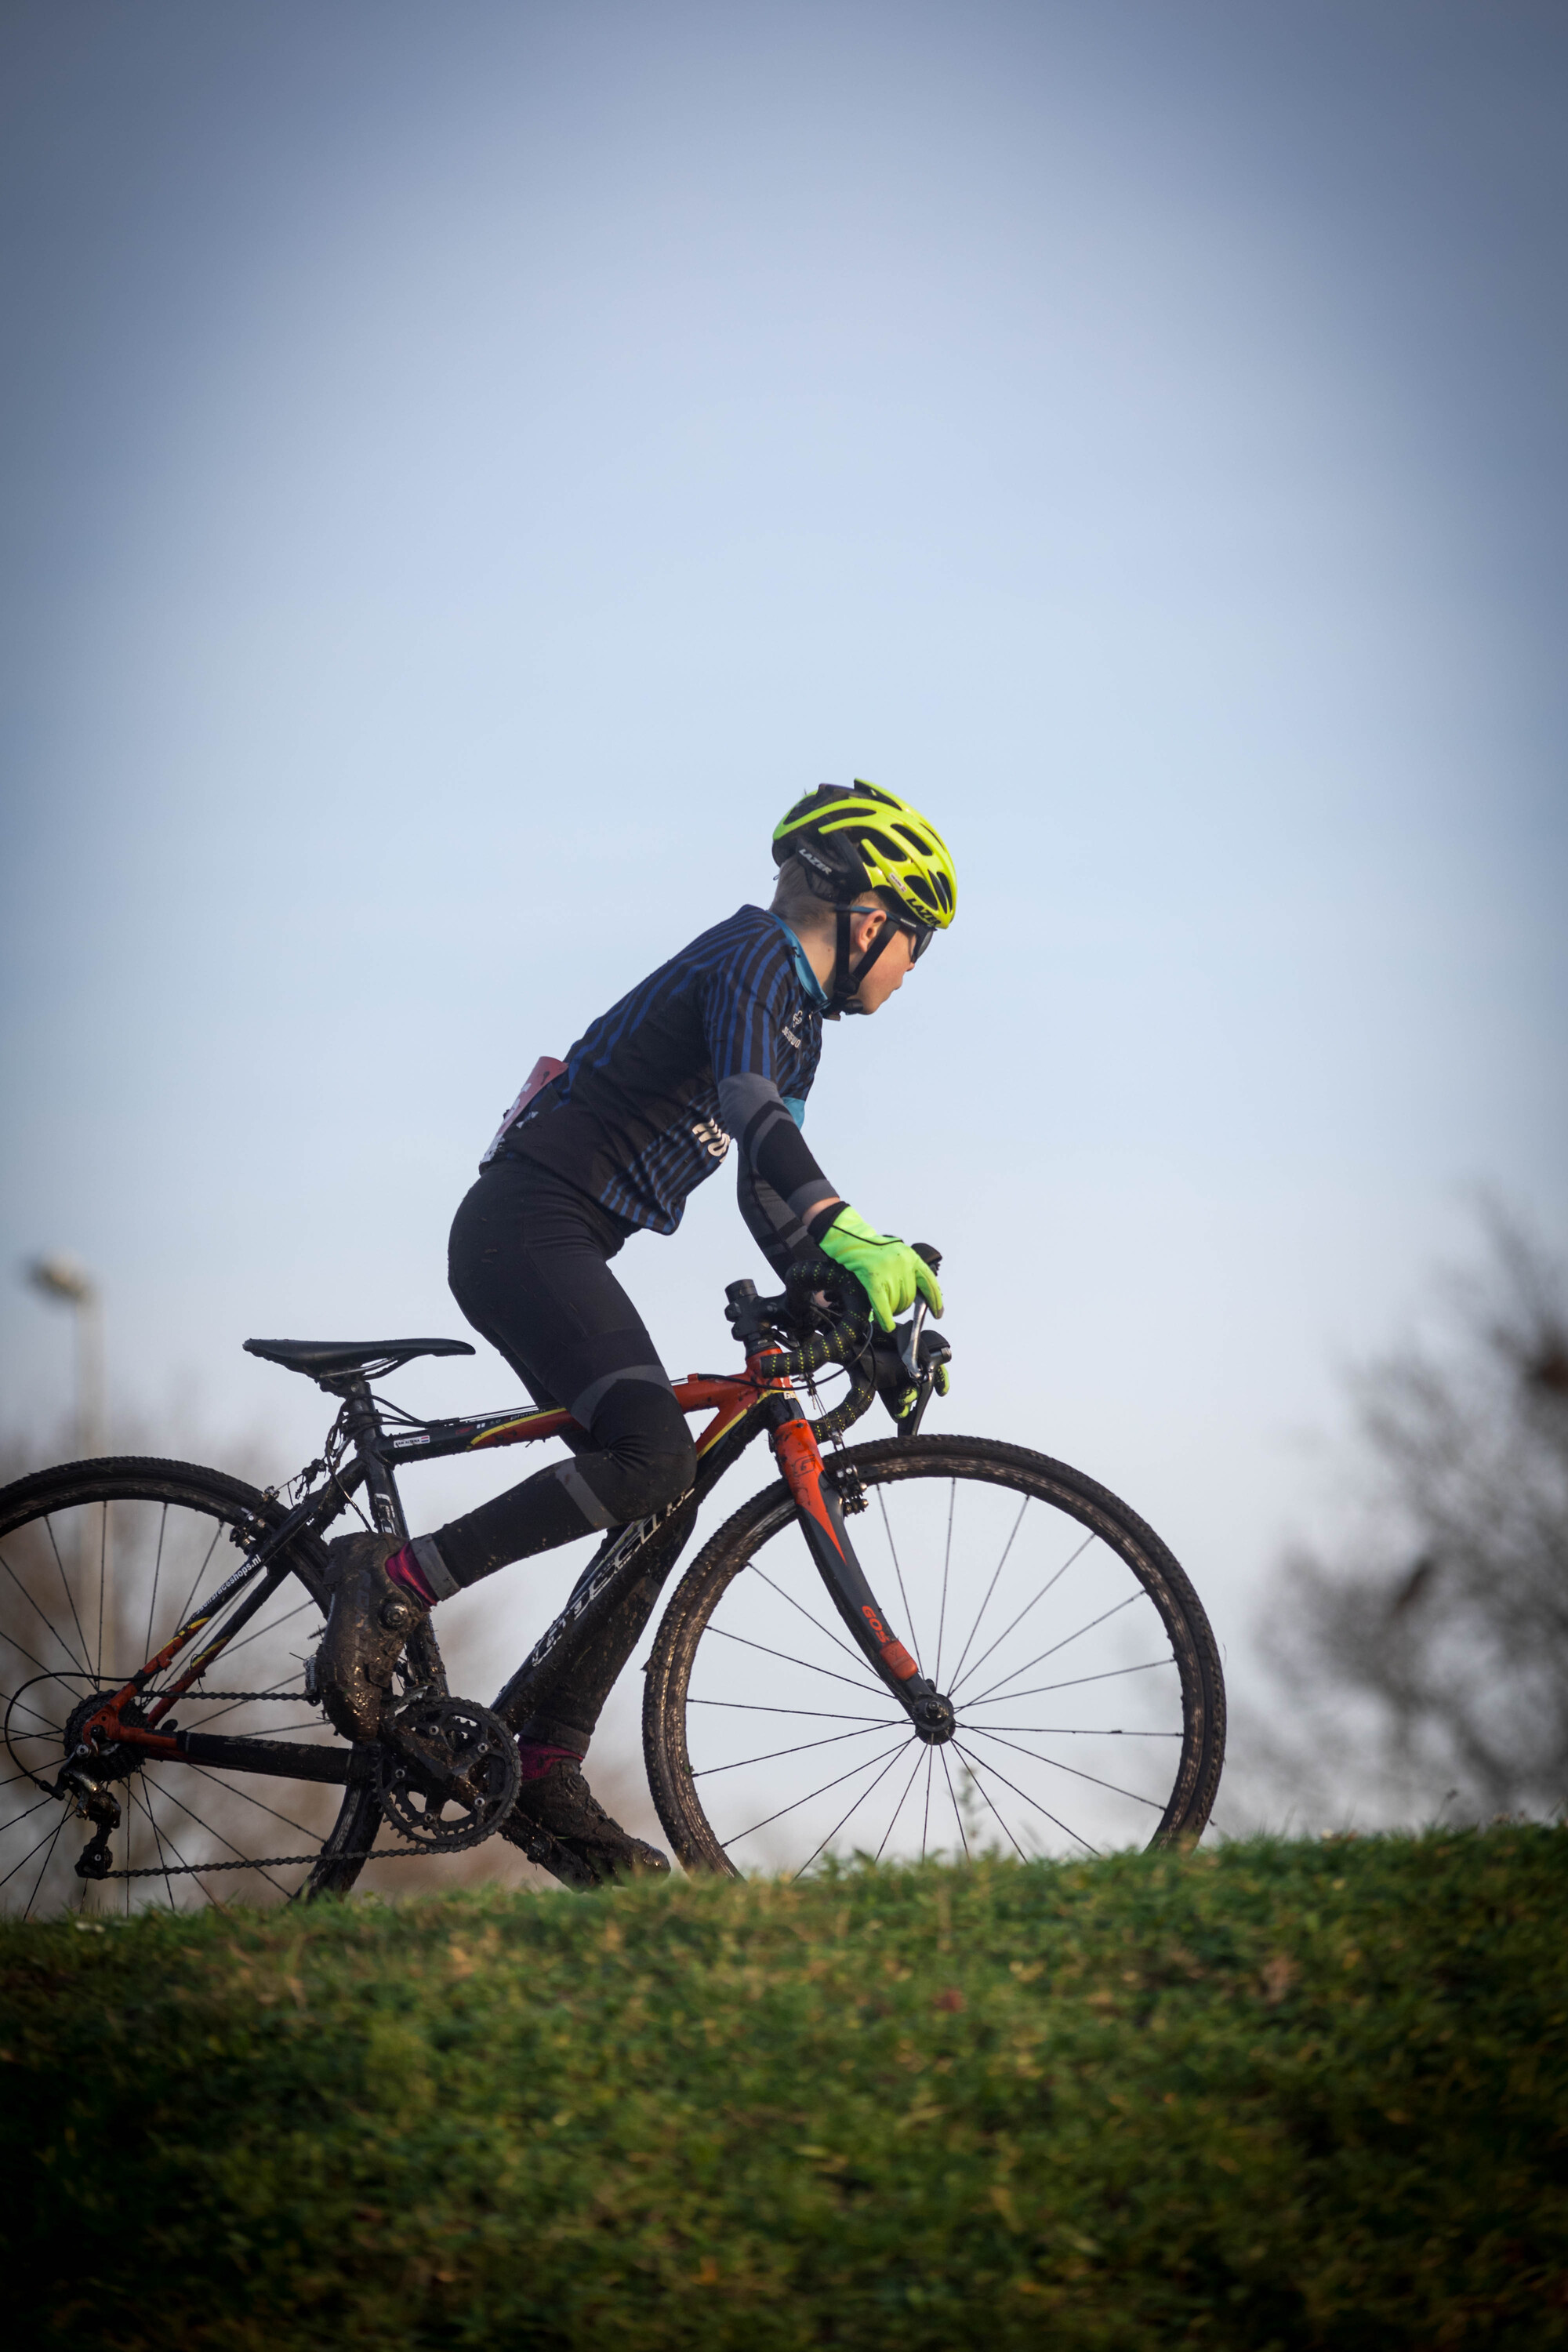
(528, 1265)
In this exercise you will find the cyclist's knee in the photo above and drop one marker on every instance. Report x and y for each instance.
(644, 1456)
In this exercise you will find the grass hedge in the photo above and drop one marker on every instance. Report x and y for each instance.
(1273, 2095)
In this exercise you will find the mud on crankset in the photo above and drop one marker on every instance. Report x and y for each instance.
(448, 1773)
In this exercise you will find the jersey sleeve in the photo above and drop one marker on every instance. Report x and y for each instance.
(745, 1006)
(776, 1230)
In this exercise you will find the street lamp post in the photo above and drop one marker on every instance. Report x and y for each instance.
(61, 1279)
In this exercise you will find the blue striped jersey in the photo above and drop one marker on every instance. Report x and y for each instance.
(720, 1044)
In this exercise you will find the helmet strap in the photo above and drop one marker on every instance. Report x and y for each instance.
(846, 980)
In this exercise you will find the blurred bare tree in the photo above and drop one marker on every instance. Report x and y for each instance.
(1425, 1664)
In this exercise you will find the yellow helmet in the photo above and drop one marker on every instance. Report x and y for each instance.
(861, 838)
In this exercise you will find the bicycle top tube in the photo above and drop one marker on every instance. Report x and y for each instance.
(728, 1396)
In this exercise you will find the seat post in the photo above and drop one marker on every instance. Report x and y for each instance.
(364, 1423)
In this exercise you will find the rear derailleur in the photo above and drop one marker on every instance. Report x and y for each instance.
(83, 1778)
(96, 1804)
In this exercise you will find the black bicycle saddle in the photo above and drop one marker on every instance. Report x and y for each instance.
(327, 1359)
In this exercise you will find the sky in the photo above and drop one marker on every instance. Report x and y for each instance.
(467, 470)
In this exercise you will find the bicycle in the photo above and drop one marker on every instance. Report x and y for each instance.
(1033, 1603)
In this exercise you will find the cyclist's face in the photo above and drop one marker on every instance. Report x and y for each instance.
(891, 968)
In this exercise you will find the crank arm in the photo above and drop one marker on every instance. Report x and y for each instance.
(428, 1774)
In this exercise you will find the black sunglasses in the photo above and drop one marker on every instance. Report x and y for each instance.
(919, 935)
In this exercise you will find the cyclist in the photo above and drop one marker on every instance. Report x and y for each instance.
(718, 1046)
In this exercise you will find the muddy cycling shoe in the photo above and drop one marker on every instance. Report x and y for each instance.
(558, 1822)
(369, 1623)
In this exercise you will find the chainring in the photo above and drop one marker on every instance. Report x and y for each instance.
(448, 1773)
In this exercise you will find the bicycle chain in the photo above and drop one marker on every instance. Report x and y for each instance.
(273, 1862)
(266, 1861)
(284, 1698)
(405, 1853)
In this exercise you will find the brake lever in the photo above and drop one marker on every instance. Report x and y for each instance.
(909, 1342)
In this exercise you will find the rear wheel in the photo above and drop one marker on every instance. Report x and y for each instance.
(99, 1563)
(1087, 1689)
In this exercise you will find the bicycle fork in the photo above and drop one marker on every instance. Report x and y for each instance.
(821, 1516)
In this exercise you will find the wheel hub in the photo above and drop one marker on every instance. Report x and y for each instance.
(934, 1719)
(111, 1763)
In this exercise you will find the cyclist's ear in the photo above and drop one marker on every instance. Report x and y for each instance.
(866, 928)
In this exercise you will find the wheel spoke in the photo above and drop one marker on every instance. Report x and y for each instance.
(191, 1870)
(818, 1714)
(214, 1647)
(18, 1819)
(70, 1597)
(946, 1565)
(38, 1716)
(804, 1612)
(143, 1798)
(1074, 1682)
(1066, 1642)
(726, 1635)
(32, 1849)
(55, 1673)
(899, 1808)
(276, 1625)
(1071, 1731)
(897, 1572)
(235, 1789)
(1033, 1803)
(157, 1571)
(712, 1770)
(48, 1623)
(44, 1865)
(201, 1571)
(208, 1830)
(850, 1816)
(925, 1825)
(1049, 1586)
(1154, 1804)
(953, 1800)
(102, 1576)
(985, 1793)
(991, 1587)
(864, 1766)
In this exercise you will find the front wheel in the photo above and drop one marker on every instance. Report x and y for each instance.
(1087, 1689)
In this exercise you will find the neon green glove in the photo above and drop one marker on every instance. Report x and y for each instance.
(905, 1405)
(887, 1268)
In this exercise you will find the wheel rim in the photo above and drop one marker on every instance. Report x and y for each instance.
(1076, 1729)
(89, 1590)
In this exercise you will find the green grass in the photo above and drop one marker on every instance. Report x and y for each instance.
(1291, 2094)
